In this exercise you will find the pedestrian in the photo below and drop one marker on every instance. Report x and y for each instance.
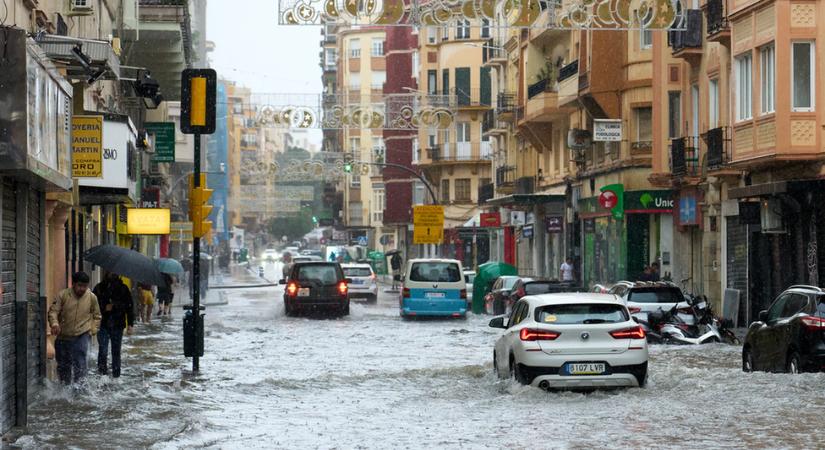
(74, 318)
(654, 271)
(395, 263)
(148, 301)
(165, 295)
(286, 259)
(646, 275)
(566, 270)
(332, 257)
(115, 301)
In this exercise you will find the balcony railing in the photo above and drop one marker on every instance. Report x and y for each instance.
(691, 37)
(545, 85)
(472, 97)
(505, 176)
(506, 103)
(569, 70)
(718, 147)
(684, 156)
(460, 151)
(492, 50)
(717, 17)
(525, 185)
(489, 121)
(486, 192)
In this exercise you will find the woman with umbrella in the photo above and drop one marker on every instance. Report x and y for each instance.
(166, 293)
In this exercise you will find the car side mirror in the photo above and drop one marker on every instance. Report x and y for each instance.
(635, 319)
(282, 281)
(498, 322)
(763, 316)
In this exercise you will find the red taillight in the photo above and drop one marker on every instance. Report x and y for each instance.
(813, 323)
(405, 292)
(634, 310)
(629, 333)
(342, 288)
(292, 289)
(464, 294)
(528, 334)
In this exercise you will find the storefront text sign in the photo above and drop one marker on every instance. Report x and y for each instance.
(87, 146)
(554, 224)
(164, 140)
(148, 221)
(490, 219)
(607, 130)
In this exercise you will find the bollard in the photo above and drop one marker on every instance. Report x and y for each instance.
(189, 333)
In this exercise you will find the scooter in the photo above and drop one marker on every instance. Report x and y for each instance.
(666, 327)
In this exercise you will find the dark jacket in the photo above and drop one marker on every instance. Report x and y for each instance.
(119, 296)
(165, 292)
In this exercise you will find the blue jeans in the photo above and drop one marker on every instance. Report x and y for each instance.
(71, 357)
(104, 336)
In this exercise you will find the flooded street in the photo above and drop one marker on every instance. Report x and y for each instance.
(371, 380)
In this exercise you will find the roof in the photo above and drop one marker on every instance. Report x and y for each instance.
(418, 260)
(647, 284)
(567, 298)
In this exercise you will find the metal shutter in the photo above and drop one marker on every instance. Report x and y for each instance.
(7, 305)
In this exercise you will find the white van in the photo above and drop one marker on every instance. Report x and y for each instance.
(434, 287)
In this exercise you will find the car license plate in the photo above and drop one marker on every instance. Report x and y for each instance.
(586, 368)
(435, 295)
(357, 281)
(303, 292)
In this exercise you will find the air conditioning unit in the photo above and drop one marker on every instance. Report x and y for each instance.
(771, 216)
(81, 6)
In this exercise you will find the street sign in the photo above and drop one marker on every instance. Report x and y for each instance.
(362, 240)
(164, 140)
(428, 224)
(607, 130)
(180, 231)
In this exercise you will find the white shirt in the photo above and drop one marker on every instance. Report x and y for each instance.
(566, 272)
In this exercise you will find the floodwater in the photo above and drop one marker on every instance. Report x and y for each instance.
(371, 380)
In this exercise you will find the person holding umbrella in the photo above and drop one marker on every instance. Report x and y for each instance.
(115, 301)
(165, 296)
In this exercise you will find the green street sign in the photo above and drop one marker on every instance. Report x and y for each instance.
(164, 140)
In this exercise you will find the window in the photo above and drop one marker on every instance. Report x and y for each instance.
(431, 35)
(355, 81)
(462, 190)
(355, 48)
(432, 82)
(379, 77)
(675, 114)
(795, 304)
(802, 76)
(378, 203)
(485, 28)
(767, 71)
(445, 81)
(445, 33)
(352, 272)
(416, 63)
(744, 90)
(581, 313)
(435, 272)
(645, 34)
(713, 103)
(326, 274)
(332, 57)
(462, 131)
(644, 124)
(377, 47)
(355, 146)
(694, 109)
(355, 182)
(775, 312)
(356, 217)
(462, 29)
(445, 191)
(656, 295)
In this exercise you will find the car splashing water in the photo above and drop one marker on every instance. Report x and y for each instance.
(372, 380)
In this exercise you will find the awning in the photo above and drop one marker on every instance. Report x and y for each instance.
(777, 187)
(82, 57)
(473, 222)
(525, 199)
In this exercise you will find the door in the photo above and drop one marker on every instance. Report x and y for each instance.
(781, 333)
(511, 334)
(462, 137)
(485, 83)
(764, 346)
(462, 85)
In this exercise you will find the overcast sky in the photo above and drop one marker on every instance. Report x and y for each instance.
(252, 49)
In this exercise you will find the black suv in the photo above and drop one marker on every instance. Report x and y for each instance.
(790, 335)
(316, 286)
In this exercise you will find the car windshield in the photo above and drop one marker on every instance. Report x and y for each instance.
(444, 272)
(656, 295)
(357, 271)
(581, 313)
(326, 274)
(537, 288)
(508, 283)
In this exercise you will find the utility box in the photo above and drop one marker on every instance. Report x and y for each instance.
(189, 344)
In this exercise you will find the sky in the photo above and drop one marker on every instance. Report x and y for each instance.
(253, 50)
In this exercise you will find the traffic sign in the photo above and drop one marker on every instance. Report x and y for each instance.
(428, 224)
(362, 240)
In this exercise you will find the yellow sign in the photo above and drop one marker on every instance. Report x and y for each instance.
(181, 232)
(147, 221)
(87, 146)
(428, 224)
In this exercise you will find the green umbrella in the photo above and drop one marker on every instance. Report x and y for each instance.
(486, 276)
(166, 265)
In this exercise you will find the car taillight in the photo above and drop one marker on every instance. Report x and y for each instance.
(342, 288)
(813, 323)
(629, 333)
(464, 294)
(527, 334)
(405, 292)
(292, 289)
(634, 310)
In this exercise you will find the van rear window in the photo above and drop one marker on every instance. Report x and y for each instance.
(435, 272)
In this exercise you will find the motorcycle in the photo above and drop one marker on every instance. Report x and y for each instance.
(668, 327)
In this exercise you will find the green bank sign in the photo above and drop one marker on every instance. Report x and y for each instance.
(650, 201)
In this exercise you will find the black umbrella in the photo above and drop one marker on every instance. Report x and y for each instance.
(126, 262)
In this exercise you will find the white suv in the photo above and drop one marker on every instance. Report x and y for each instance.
(364, 283)
(571, 341)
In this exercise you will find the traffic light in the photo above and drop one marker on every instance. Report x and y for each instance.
(348, 163)
(198, 100)
(198, 208)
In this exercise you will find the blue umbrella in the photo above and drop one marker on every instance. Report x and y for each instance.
(166, 265)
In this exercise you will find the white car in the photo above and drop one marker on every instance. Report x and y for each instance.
(364, 282)
(643, 298)
(270, 254)
(571, 341)
(469, 279)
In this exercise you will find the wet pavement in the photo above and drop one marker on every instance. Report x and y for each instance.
(371, 380)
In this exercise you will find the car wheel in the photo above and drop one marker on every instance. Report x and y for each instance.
(747, 360)
(288, 310)
(345, 310)
(515, 371)
(792, 366)
(641, 378)
(372, 299)
(495, 366)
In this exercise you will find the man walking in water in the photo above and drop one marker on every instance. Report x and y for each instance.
(74, 318)
(115, 300)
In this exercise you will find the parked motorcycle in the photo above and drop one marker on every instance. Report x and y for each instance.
(668, 327)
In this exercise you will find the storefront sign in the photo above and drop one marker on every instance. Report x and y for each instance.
(181, 231)
(517, 218)
(612, 198)
(164, 140)
(118, 145)
(649, 202)
(490, 219)
(150, 198)
(148, 221)
(554, 224)
(607, 130)
(527, 231)
(87, 146)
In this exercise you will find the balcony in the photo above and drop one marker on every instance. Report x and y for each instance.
(493, 54)
(688, 43)
(569, 83)
(543, 102)
(506, 106)
(486, 192)
(525, 185)
(717, 141)
(459, 152)
(718, 26)
(505, 179)
(684, 157)
(466, 98)
(490, 124)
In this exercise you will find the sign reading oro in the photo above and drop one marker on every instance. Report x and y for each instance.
(428, 224)
(147, 221)
(87, 146)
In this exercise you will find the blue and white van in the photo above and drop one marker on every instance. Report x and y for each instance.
(434, 287)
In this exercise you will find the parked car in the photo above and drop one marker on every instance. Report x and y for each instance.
(316, 286)
(305, 258)
(433, 287)
(364, 282)
(469, 278)
(643, 298)
(527, 286)
(575, 341)
(790, 335)
(495, 302)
